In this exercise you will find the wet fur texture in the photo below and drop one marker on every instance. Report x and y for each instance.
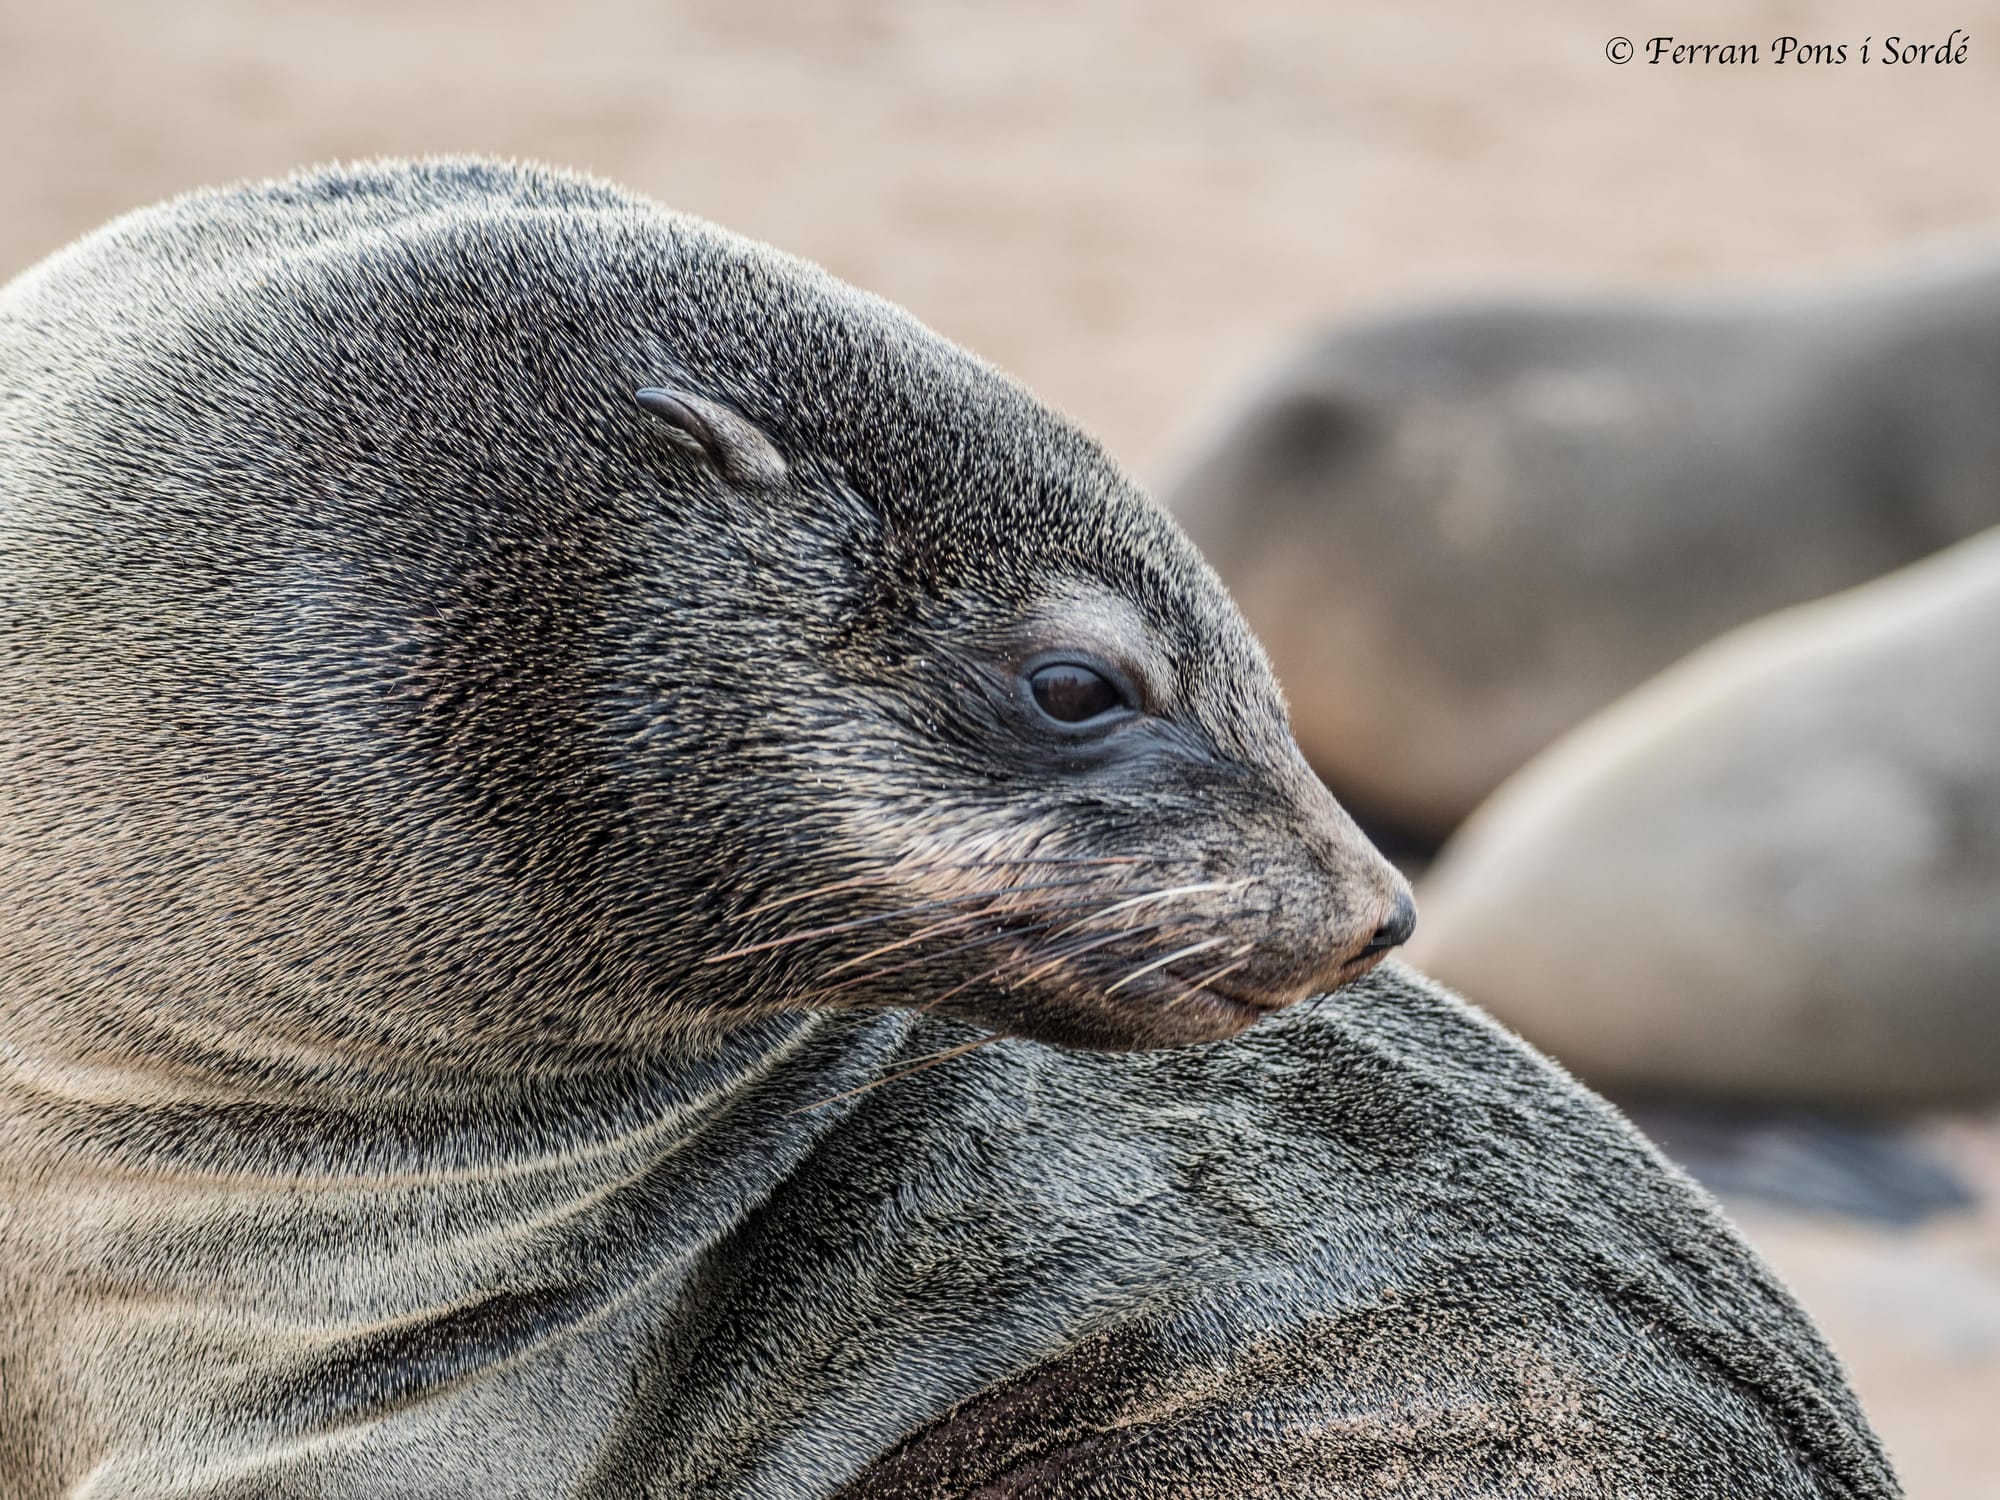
(466, 838)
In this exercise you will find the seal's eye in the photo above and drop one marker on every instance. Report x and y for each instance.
(1071, 693)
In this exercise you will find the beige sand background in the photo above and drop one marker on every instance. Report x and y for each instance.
(1129, 204)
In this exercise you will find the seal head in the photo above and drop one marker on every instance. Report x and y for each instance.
(486, 618)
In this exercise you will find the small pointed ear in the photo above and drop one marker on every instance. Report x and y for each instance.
(734, 446)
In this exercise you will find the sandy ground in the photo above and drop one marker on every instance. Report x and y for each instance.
(1916, 1315)
(1129, 203)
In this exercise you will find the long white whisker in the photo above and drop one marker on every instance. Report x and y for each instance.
(1158, 963)
(949, 924)
(903, 871)
(889, 916)
(1076, 950)
(1209, 978)
(1197, 889)
(921, 961)
(959, 921)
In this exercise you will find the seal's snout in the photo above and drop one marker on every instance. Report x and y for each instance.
(1387, 917)
(1366, 905)
(1396, 930)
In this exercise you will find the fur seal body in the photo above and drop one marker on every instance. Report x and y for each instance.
(541, 741)
(1777, 864)
(1460, 532)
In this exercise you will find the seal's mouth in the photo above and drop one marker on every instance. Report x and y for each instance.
(1254, 1004)
(1357, 966)
(1171, 1010)
(1113, 952)
(1253, 1001)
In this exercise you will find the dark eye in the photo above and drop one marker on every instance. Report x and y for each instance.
(1073, 694)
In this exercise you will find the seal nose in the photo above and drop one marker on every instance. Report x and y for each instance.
(1396, 931)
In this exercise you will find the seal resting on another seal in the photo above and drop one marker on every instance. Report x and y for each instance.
(1777, 864)
(1460, 532)
(497, 871)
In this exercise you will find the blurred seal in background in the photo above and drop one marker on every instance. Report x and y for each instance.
(1773, 872)
(1459, 532)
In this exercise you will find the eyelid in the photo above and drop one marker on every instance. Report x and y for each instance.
(1131, 685)
(1106, 626)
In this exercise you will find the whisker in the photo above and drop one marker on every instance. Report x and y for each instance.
(995, 973)
(1171, 891)
(1209, 978)
(1050, 910)
(963, 919)
(1073, 950)
(935, 1001)
(912, 963)
(1003, 969)
(926, 1063)
(1017, 933)
(1160, 963)
(889, 916)
(898, 872)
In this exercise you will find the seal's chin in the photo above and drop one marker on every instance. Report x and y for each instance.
(1228, 1010)
(1212, 1016)
(1202, 1016)
(1169, 1016)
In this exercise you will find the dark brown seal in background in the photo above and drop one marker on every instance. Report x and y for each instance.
(468, 836)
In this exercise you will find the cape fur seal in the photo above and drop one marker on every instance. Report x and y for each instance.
(1777, 864)
(466, 834)
(1460, 532)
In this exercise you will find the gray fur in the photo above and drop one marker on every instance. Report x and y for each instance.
(1461, 531)
(453, 821)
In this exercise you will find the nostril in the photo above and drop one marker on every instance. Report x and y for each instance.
(1396, 931)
